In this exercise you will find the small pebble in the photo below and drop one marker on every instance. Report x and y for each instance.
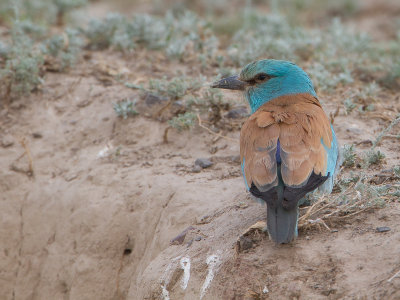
(198, 238)
(203, 163)
(188, 244)
(151, 99)
(196, 169)
(235, 158)
(37, 135)
(237, 113)
(213, 149)
(7, 141)
(382, 229)
(245, 243)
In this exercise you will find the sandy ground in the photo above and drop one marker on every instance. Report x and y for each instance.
(90, 211)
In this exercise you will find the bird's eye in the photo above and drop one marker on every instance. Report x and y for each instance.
(262, 77)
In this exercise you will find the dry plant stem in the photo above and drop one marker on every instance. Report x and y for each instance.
(332, 116)
(326, 226)
(70, 89)
(380, 116)
(165, 135)
(118, 274)
(158, 113)
(394, 276)
(28, 154)
(309, 212)
(305, 220)
(212, 132)
(385, 131)
(354, 213)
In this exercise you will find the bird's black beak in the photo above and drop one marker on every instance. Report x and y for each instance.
(230, 83)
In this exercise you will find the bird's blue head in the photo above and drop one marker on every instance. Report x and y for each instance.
(267, 79)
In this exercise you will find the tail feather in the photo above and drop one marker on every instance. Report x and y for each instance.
(282, 224)
(282, 206)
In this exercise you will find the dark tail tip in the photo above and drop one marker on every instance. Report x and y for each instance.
(282, 224)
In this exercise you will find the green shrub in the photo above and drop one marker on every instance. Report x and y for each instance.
(175, 88)
(64, 48)
(349, 156)
(21, 72)
(372, 157)
(183, 121)
(43, 12)
(178, 35)
(125, 108)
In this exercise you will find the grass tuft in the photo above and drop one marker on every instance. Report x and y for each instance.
(349, 156)
(372, 157)
(125, 108)
(183, 121)
(21, 73)
(63, 48)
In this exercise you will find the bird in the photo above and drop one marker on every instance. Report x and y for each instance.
(288, 147)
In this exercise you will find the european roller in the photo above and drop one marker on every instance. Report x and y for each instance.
(288, 147)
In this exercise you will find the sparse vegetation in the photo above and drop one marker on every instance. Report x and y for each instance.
(349, 105)
(176, 88)
(356, 195)
(183, 121)
(26, 50)
(45, 12)
(332, 56)
(372, 157)
(349, 156)
(21, 72)
(125, 108)
(396, 170)
(63, 49)
(180, 35)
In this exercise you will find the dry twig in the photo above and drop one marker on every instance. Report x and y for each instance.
(212, 132)
(394, 276)
(29, 156)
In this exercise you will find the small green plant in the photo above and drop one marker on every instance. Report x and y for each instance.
(349, 105)
(173, 89)
(396, 170)
(349, 156)
(373, 193)
(65, 6)
(21, 73)
(45, 12)
(64, 48)
(183, 121)
(391, 80)
(213, 96)
(386, 131)
(372, 157)
(125, 108)
(208, 98)
(100, 33)
(345, 181)
(176, 88)
(370, 90)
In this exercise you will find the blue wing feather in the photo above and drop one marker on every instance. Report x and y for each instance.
(244, 176)
(333, 163)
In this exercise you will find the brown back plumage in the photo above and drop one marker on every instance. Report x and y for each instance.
(300, 124)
